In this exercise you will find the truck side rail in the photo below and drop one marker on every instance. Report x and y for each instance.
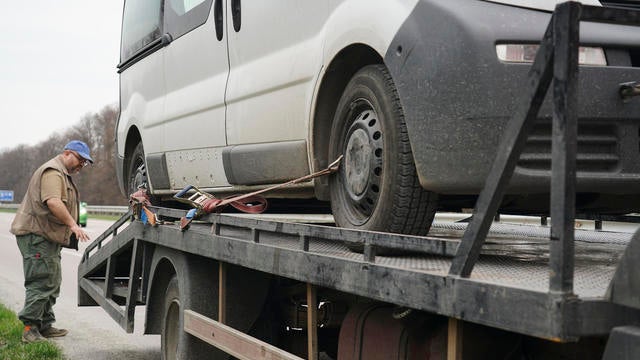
(367, 239)
(112, 231)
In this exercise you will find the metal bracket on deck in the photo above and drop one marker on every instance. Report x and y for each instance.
(624, 288)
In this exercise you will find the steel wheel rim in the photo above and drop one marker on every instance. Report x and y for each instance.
(363, 150)
(138, 179)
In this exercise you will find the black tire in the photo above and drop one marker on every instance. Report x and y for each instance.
(174, 341)
(376, 187)
(170, 337)
(136, 170)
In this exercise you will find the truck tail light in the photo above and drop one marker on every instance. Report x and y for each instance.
(525, 53)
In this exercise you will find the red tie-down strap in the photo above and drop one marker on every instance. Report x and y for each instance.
(254, 204)
(251, 203)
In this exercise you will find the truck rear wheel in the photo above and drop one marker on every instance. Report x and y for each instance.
(175, 342)
(171, 323)
(376, 187)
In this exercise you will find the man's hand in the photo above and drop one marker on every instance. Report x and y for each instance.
(80, 234)
(59, 210)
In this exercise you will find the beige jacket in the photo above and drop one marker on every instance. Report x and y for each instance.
(34, 217)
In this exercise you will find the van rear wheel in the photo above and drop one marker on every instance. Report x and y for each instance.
(376, 187)
(136, 170)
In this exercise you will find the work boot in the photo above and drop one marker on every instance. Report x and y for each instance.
(31, 334)
(53, 332)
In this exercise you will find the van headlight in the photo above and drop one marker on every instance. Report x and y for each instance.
(526, 53)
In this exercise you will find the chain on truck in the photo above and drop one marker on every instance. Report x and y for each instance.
(219, 285)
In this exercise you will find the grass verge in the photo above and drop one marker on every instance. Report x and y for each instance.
(11, 346)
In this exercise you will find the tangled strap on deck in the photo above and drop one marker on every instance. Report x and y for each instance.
(139, 203)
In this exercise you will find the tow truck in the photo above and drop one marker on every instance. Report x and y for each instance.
(251, 288)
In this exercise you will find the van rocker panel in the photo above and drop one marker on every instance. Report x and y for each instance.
(268, 163)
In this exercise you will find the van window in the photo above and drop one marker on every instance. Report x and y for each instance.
(141, 24)
(182, 16)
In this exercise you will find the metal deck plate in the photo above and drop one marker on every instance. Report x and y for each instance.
(513, 255)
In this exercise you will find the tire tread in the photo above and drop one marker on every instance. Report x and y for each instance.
(411, 209)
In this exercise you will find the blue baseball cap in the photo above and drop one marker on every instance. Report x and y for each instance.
(81, 148)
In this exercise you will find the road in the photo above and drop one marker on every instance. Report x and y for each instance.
(92, 333)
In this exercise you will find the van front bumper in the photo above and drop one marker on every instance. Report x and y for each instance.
(458, 96)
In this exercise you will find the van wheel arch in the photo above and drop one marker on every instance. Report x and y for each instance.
(341, 69)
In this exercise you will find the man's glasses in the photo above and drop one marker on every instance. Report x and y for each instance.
(84, 162)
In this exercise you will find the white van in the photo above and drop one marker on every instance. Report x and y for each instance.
(232, 96)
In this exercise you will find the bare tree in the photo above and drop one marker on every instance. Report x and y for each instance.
(17, 165)
(97, 184)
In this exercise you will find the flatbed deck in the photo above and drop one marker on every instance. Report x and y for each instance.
(508, 288)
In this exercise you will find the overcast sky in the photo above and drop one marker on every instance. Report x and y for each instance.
(57, 63)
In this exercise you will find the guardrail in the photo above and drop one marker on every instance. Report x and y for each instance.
(107, 209)
(91, 209)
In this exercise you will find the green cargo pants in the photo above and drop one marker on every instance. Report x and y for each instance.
(42, 278)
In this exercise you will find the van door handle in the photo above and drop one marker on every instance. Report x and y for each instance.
(236, 15)
(218, 19)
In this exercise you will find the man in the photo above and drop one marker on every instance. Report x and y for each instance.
(45, 222)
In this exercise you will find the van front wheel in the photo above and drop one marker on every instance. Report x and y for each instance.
(376, 187)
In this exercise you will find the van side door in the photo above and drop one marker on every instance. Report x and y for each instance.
(196, 71)
(275, 54)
